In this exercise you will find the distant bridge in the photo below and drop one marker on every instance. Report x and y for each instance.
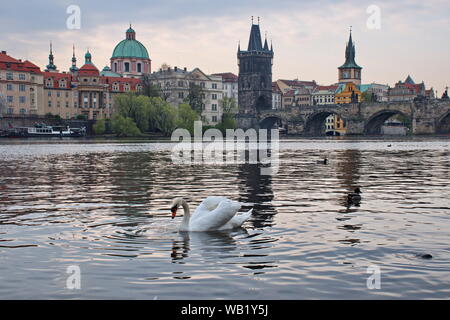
(425, 117)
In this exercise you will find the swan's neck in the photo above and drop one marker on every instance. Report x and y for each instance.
(187, 216)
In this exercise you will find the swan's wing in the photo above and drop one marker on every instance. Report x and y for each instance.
(216, 218)
(207, 206)
(238, 220)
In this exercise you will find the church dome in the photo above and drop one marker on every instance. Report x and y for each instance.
(130, 47)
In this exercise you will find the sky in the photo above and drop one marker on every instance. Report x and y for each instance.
(309, 37)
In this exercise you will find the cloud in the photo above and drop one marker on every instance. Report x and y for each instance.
(309, 37)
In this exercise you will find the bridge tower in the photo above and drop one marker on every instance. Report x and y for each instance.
(255, 79)
(350, 71)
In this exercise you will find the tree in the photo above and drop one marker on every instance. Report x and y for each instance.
(229, 105)
(195, 98)
(124, 127)
(229, 108)
(149, 88)
(186, 117)
(99, 127)
(368, 96)
(135, 107)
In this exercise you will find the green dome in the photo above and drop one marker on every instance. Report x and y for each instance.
(130, 48)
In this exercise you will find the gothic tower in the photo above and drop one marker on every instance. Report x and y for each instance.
(255, 79)
(350, 71)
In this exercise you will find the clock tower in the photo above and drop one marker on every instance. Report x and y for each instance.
(350, 71)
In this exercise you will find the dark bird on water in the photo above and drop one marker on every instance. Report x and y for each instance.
(354, 198)
(324, 161)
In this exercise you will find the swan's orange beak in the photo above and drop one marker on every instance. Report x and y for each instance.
(174, 212)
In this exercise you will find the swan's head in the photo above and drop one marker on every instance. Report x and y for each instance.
(358, 190)
(177, 202)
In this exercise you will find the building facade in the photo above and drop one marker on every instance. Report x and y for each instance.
(409, 90)
(324, 95)
(21, 86)
(175, 83)
(230, 83)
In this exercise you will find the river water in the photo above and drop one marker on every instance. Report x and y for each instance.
(103, 208)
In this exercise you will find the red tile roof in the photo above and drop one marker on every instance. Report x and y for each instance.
(88, 70)
(9, 63)
(227, 76)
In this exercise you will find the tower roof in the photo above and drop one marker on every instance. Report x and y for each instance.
(130, 47)
(409, 80)
(255, 42)
(350, 54)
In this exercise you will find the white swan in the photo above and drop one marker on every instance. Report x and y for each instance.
(214, 213)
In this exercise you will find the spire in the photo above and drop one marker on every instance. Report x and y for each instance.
(271, 46)
(51, 66)
(350, 54)
(255, 42)
(239, 46)
(74, 68)
(266, 46)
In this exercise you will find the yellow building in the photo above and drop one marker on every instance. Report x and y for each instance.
(350, 91)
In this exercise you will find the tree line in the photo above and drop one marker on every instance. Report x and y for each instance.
(136, 114)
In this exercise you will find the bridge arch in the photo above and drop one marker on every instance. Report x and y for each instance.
(443, 124)
(271, 121)
(373, 125)
(315, 123)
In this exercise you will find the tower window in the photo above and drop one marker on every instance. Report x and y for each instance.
(127, 67)
(115, 66)
(139, 67)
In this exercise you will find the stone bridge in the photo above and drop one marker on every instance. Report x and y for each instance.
(423, 117)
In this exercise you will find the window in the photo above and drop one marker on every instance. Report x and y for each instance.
(49, 104)
(9, 87)
(23, 111)
(181, 95)
(10, 99)
(10, 110)
(21, 76)
(214, 96)
(67, 104)
(115, 66)
(214, 107)
(58, 94)
(21, 87)
(127, 66)
(9, 76)
(180, 83)
(214, 85)
(49, 93)
(202, 84)
(139, 67)
(214, 118)
(22, 99)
